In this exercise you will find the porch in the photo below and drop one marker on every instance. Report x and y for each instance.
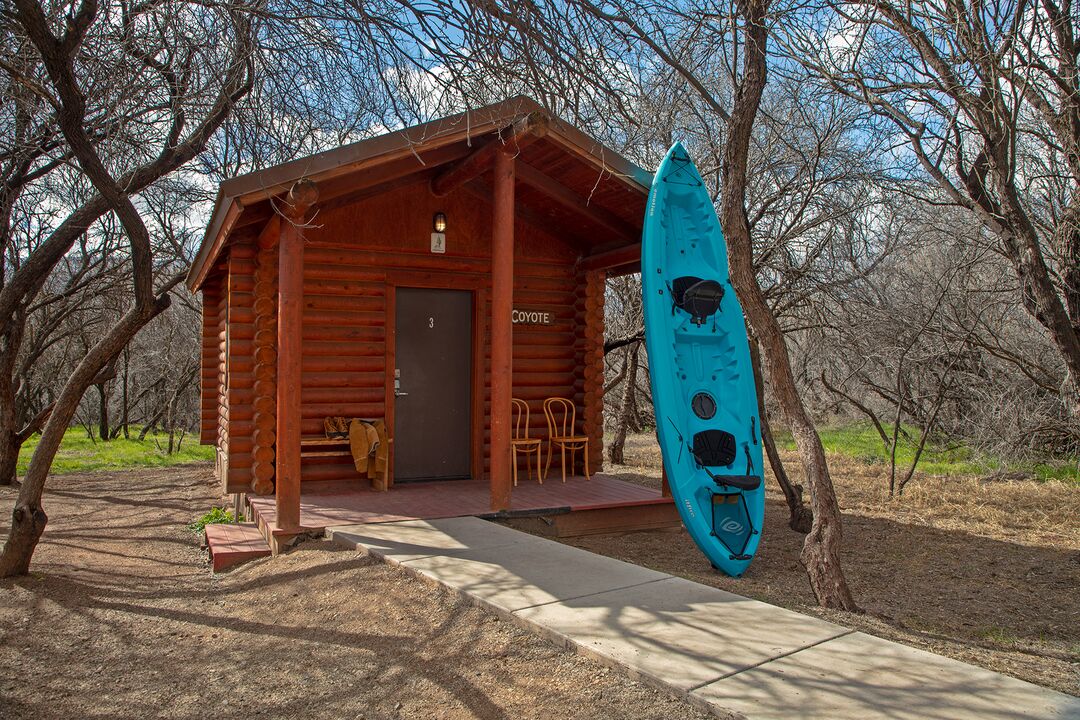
(579, 506)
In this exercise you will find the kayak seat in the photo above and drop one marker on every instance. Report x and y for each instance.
(700, 298)
(714, 448)
(742, 482)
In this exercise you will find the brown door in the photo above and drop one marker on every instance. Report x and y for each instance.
(432, 407)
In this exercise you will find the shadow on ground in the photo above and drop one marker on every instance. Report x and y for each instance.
(121, 618)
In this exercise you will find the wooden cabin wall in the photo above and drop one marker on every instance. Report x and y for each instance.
(354, 255)
(213, 344)
(223, 381)
(344, 343)
(239, 379)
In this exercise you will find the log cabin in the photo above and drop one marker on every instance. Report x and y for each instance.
(423, 277)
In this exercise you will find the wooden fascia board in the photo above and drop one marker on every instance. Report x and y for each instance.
(209, 252)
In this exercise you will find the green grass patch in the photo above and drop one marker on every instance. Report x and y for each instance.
(78, 453)
(862, 442)
(216, 516)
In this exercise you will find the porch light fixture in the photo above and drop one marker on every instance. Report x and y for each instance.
(438, 222)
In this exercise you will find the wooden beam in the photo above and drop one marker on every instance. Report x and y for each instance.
(290, 350)
(573, 201)
(368, 191)
(502, 329)
(350, 189)
(511, 140)
(336, 194)
(258, 214)
(616, 258)
(482, 191)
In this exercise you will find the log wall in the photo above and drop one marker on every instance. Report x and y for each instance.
(239, 391)
(264, 360)
(213, 355)
(354, 257)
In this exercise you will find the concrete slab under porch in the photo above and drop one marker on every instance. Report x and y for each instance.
(578, 506)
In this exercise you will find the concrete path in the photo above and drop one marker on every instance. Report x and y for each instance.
(733, 656)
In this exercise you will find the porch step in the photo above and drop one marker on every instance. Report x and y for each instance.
(233, 544)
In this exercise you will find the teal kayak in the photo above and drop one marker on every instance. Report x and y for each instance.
(699, 364)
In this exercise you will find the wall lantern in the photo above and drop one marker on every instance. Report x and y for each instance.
(438, 222)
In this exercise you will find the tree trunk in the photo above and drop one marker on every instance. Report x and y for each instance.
(151, 424)
(27, 523)
(103, 411)
(125, 410)
(615, 452)
(9, 456)
(9, 444)
(11, 335)
(801, 518)
(821, 549)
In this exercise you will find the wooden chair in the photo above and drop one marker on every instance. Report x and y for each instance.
(561, 416)
(522, 442)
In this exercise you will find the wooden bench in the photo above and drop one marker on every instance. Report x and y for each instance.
(324, 447)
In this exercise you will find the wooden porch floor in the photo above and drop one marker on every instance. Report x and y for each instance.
(351, 503)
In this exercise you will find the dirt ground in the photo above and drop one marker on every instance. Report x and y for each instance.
(122, 619)
(984, 572)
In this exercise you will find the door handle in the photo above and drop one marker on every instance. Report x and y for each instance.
(398, 393)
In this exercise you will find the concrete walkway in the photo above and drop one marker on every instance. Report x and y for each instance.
(730, 655)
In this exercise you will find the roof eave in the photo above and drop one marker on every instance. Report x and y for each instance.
(235, 193)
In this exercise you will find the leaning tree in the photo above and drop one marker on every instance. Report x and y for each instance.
(127, 95)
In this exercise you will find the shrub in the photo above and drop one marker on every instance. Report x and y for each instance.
(215, 516)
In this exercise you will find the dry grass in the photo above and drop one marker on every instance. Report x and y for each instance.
(1026, 511)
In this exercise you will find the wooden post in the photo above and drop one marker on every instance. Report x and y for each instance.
(665, 488)
(592, 359)
(502, 328)
(290, 329)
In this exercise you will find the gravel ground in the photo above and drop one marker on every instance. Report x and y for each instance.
(121, 618)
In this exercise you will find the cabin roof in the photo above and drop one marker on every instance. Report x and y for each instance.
(566, 178)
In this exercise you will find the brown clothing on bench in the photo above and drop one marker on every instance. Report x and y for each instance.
(367, 445)
(367, 440)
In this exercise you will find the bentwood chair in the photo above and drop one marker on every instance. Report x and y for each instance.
(521, 442)
(561, 416)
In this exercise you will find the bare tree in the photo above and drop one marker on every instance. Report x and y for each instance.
(935, 347)
(986, 103)
(624, 326)
(821, 549)
(83, 69)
